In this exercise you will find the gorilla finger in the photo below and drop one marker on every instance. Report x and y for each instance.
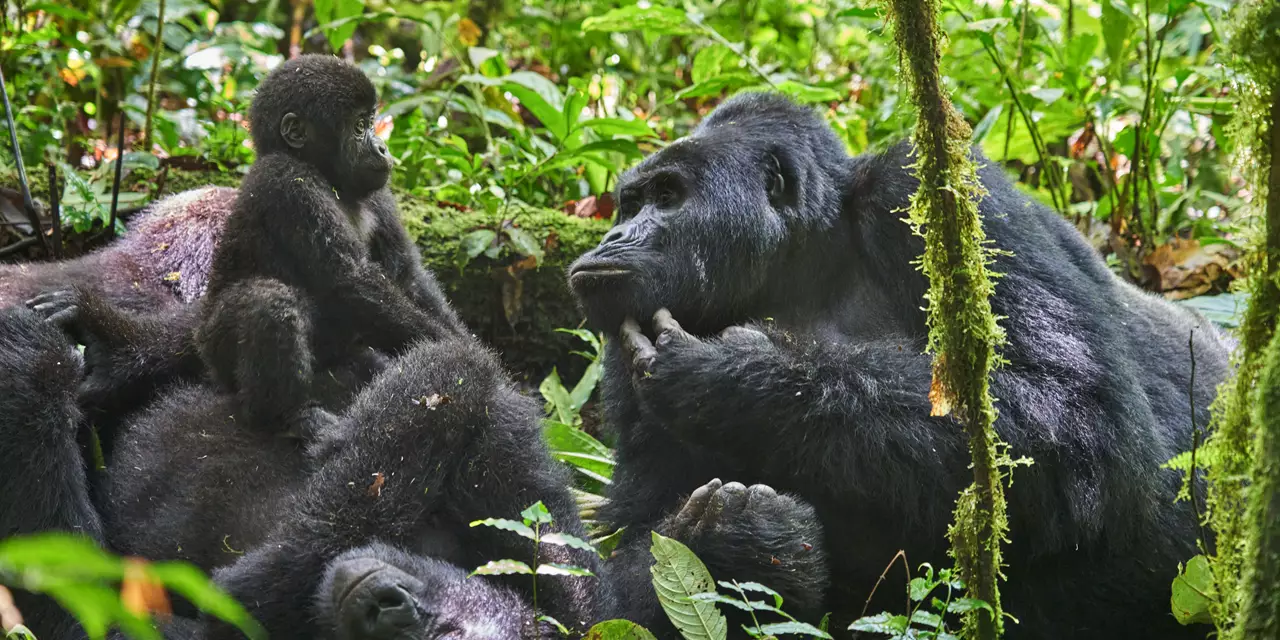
(668, 329)
(61, 296)
(638, 345)
(695, 506)
(67, 320)
(735, 498)
(721, 501)
(759, 495)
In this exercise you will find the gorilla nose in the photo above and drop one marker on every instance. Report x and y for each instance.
(390, 611)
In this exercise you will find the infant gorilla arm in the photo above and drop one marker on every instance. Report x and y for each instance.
(313, 259)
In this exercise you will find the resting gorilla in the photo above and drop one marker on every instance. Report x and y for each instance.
(362, 540)
(797, 361)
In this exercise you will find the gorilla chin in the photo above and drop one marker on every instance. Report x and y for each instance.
(380, 593)
(609, 290)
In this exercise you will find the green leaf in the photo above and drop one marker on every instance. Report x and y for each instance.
(61, 10)
(524, 243)
(990, 25)
(541, 97)
(566, 540)
(984, 125)
(926, 619)
(472, 245)
(1225, 309)
(620, 127)
(918, 589)
(189, 582)
(519, 528)
(537, 513)
(1117, 24)
(652, 20)
(965, 605)
(606, 544)
(502, 568)
(713, 86)
(1193, 592)
(564, 631)
(713, 597)
(711, 61)
(859, 12)
(885, 623)
(557, 569)
(20, 633)
(558, 397)
(677, 575)
(586, 384)
(67, 556)
(804, 93)
(329, 12)
(794, 628)
(570, 439)
(1048, 96)
(618, 630)
(757, 587)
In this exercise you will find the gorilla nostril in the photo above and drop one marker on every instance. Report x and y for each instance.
(615, 234)
(391, 610)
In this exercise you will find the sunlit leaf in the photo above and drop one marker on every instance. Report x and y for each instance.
(1193, 592)
(506, 525)
(618, 630)
(537, 513)
(502, 568)
(652, 20)
(556, 569)
(794, 628)
(566, 540)
(677, 575)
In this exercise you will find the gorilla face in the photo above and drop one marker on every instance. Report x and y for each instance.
(699, 224)
(363, 158)
(713, 226)
(381, 593)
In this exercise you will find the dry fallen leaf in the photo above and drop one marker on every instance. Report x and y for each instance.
(468, 32)
(432, 401)
(140, 594)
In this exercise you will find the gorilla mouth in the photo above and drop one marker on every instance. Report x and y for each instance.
(584, 272)
(354, 585)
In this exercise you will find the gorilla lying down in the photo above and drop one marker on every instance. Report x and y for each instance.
(786, 348)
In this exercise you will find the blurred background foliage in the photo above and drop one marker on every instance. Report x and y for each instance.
(1109, 111)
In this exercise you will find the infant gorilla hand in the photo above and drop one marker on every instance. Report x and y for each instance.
(754, 534)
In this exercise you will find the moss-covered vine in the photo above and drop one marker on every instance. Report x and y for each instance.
(963, 333)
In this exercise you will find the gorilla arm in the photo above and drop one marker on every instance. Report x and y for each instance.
(802, 412)
(332, 262)
(392, 248)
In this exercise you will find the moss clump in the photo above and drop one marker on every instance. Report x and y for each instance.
(538, 299)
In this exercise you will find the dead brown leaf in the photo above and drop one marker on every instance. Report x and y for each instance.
(1184, 268)
(140, 593)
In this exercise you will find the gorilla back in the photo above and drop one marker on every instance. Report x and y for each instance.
(800, 364)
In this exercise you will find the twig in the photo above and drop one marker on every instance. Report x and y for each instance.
(155, 74)
(906, 567)
(55, 211)
(28, 205)
(1195, 442)
(115, 184)
(20, 245)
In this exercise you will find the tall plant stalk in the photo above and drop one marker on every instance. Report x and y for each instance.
(155, 75)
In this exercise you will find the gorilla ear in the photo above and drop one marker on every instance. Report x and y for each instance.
(293, 130)
(781, 182)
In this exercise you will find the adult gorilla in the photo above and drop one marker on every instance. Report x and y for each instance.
(797, 361)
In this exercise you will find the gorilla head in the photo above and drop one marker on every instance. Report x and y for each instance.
(320, 110)
(705, 226)
(378, 592)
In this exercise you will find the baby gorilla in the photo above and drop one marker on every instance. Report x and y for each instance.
(313, 267)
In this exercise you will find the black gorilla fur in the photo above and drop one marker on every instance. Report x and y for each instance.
(799, 364)
(314, 267)
(440, 438)
(187, 482)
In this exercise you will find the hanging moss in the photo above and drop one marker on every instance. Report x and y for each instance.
(1231, 449)
(963, 333)
(1260, 586)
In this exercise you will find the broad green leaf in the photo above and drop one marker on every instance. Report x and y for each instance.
(600, 468)
(61, 10)
(918, 589)
(502, 568)
(984, 125)
(566, 540)
(807, 93)
(965, 605)
(1048, 95)
(189, 582)
(859, 12)
(556, 569)
(586, 384)
(478, 56)
(524, 243)
(541, 97)
(620, 127)
(757, 587)
(711, 62)
(64, 555)
(794, 628)
(1193, 592)
(519, 528)
(652, 20)
(472, 245)
(570, 439)
(329, 12)
(618, 630)
(1117, 25)
(990, 25)
(926, 619)
(677, 575)
(537, 513)
(885, 623)
(717, 598)
(585, 336)
(1224, 309)
(606, 544)
(713, 86)
(558, 397)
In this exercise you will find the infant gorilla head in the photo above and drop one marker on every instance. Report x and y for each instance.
(378, 592)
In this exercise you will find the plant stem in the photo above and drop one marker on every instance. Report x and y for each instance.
(155, 75)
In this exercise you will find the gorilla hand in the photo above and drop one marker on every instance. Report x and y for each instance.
(672, 338)
(755, 534)
(84, 319)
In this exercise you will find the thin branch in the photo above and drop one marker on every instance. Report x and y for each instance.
(155, 75)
